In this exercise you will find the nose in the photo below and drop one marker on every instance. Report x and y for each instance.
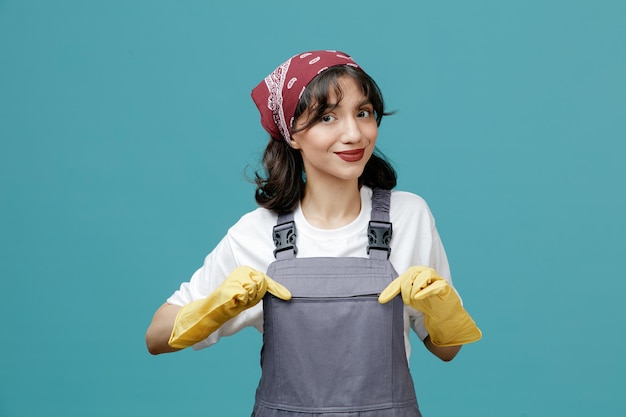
(351, 131)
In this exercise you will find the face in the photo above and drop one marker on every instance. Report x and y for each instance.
(339, 144)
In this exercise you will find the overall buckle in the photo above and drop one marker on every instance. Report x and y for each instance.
(285, 237)
(379, 236)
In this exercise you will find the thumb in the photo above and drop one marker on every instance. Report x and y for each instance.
(277, 289)
(390, 291)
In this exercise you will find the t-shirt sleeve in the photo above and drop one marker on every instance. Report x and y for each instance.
(438, 261)
(216, 267)
(417, 244)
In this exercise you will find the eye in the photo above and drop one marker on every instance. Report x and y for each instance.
(366, 111)
(327, 118)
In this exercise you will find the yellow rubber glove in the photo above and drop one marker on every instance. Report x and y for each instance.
(447, 322)
(242, 289)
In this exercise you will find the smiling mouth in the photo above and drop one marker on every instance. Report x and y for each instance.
(352, 155)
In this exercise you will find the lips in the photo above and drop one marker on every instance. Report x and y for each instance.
(353, 155)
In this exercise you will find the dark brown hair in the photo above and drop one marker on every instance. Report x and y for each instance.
(281, 186)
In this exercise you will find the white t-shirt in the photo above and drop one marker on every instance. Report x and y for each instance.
(415, 242)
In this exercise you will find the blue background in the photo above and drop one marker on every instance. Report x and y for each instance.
(127, 132)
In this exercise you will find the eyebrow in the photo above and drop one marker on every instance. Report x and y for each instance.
(364, 102)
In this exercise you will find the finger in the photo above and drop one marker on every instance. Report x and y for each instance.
(436, 287)
(261, 288)
(254, 282)
(277, 289)
(422, 280)
(390, 291)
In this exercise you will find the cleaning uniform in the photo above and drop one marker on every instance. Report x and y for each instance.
(249, 242)
(333, 348)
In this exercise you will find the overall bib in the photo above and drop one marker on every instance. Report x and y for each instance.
(333, 349)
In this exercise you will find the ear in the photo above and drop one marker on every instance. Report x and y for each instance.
(294, 143)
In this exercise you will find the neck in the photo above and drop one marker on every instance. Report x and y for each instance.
(331, 207)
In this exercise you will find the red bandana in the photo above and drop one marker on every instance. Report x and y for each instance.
(278, 94)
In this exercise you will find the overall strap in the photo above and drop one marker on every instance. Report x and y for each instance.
(285, 237)
(379, 231)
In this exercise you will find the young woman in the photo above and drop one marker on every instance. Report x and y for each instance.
(322, 253)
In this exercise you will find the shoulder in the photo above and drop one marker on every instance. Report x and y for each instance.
(258, 222)
(409, 207)
(408, 211)
(404, 206)
(408, 199)
(398, 198)
(250, 238)
(257, 217)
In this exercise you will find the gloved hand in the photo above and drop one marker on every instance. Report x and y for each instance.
(447, 322)
(242, 289)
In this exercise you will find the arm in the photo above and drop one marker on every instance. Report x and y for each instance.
(448, 324)
(199, 286)
(174, 327)
(445, 353)
(159, 331)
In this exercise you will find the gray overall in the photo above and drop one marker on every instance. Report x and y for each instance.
(333, 349)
